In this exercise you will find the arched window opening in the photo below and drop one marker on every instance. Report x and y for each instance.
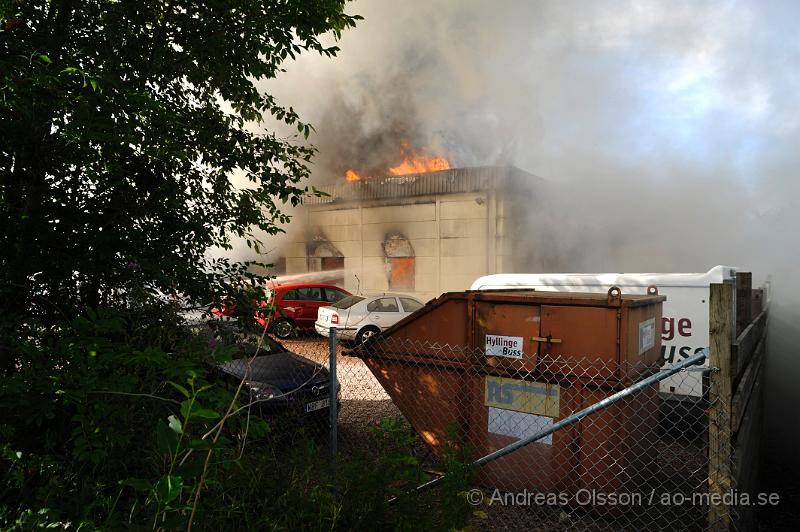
(400, 262)
(323, 256)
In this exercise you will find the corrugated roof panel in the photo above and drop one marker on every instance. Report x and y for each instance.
(453, 181)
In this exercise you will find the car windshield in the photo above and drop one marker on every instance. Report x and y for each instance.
(347, 302)
(230, 334)
(249, 347)
(270, 347)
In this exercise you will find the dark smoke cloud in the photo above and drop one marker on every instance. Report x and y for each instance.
(672, 127)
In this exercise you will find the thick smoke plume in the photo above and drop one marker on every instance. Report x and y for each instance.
(670, 128)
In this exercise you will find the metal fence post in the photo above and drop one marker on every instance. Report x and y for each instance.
(333, 407)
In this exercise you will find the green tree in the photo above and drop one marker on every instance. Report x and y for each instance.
(121, 124)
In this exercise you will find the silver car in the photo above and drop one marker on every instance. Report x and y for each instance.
(360, 317)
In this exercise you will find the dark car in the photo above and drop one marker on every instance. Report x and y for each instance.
(278, 381)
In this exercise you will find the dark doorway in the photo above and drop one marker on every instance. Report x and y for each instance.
(334, 264)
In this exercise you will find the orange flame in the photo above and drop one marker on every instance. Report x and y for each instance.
(352, 175)
(413, 163)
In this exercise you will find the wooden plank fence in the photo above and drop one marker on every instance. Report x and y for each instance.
(738, 317)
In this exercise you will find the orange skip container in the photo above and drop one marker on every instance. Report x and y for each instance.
(486, 368)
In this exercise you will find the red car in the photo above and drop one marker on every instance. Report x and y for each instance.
(296, 306)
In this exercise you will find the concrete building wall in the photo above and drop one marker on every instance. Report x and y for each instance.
(454, 239)
(463, 238)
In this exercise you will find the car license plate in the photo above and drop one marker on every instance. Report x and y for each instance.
(318, 405)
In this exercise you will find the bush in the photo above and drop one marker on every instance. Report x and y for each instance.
(110, 418)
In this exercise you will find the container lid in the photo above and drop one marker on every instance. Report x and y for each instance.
(613, 298)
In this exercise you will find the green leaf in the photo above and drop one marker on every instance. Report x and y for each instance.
(168, 488)
(166, 439)
(175, 424)
(405, 460)
(139, 484)
(206, 413)
(201, 445)
(197, 411)
(180, 388)
(204, 445)
(44, 59)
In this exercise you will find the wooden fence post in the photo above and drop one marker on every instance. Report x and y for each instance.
(744, 301)
(719, 415)
(758, 301)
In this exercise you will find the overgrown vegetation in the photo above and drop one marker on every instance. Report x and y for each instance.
(122, 127)
(109, 426)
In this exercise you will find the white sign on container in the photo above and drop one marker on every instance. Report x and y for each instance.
(519, 424)
(647, 335)
(504, 346)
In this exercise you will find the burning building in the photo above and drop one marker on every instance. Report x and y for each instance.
(422, 233)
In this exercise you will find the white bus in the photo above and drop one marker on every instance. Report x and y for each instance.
(685, 312)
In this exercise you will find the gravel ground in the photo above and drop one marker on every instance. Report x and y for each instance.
(363, 400)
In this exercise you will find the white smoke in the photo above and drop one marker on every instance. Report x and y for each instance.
(672, 126)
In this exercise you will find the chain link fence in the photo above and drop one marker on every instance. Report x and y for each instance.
(639, 463)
